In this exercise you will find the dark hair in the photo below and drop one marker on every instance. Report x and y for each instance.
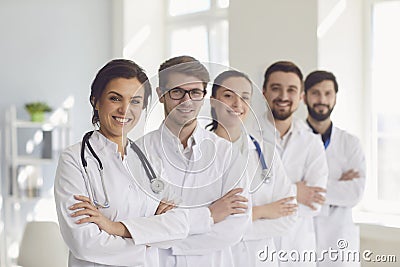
(117, 68)
(318, 76)
(183, 64)
(285, 66)
(216, 85)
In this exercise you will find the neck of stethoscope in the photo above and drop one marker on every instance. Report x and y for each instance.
(85, 142)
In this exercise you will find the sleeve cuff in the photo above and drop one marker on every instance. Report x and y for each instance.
(200, 220)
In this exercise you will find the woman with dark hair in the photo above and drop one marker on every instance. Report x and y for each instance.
(105, 216)
(272, 197)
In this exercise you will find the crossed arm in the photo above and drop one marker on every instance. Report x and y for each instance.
(231, 203)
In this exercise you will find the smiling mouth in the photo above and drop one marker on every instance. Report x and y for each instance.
(236, 113)
(321, 109)
(122, 120)
(182, 110)
(321, 106)
(282, 104)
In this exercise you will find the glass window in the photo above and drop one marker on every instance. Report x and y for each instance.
(385, 97)
(388, 168)
(223, 3)
(203, 35)
(182, 7)
(190, 41)
(219, 35)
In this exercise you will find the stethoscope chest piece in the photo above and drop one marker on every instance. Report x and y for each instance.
(157, 185)
(266, 176)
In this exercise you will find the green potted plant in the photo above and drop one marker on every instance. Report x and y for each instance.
(37, 110)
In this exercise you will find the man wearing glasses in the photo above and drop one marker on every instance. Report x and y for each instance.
(203, 172)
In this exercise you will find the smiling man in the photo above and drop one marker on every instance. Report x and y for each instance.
(301, 151)
(203, 172)
(346, 163)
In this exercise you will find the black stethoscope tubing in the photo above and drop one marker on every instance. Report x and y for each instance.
(156, 184)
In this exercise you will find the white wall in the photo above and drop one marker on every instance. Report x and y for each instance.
(264, 31)
(144, 42)
(50, 50)
(143, 33)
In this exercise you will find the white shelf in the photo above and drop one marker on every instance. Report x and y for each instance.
(60, 138)
(21, 196)
(32, 124)
(30, 160)
(24, 199)
(28, 124)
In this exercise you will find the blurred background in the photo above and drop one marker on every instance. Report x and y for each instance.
(50, 51)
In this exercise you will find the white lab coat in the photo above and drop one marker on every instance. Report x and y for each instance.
(200, 174)
(258, 239)
(304, 159)
(335, 221)
(128, 203)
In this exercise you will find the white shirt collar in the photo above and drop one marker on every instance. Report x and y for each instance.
(194, 139)
(288, 133)
(101, 142)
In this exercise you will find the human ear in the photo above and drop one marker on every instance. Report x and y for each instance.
(212, 101)
(302, 96)
(94, 102)
(160, 95)
(305, 98)
(264, 92)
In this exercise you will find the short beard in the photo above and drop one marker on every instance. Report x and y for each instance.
(319, 116)
(281, 116)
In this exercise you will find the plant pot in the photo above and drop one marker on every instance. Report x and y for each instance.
(37, 116)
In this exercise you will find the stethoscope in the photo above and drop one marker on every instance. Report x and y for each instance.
(266, 173)
(156, 184)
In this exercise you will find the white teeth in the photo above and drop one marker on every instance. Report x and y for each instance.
(185, 110)
(235, 113)
(122, 120)
(282, 104)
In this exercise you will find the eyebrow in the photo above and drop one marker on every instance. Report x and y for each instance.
(275, 84)
(119, 95)
(227, 89)
(278, 84)
(113, 92)
(185, 89)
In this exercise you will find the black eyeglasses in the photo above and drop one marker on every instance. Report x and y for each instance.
(179, 93)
